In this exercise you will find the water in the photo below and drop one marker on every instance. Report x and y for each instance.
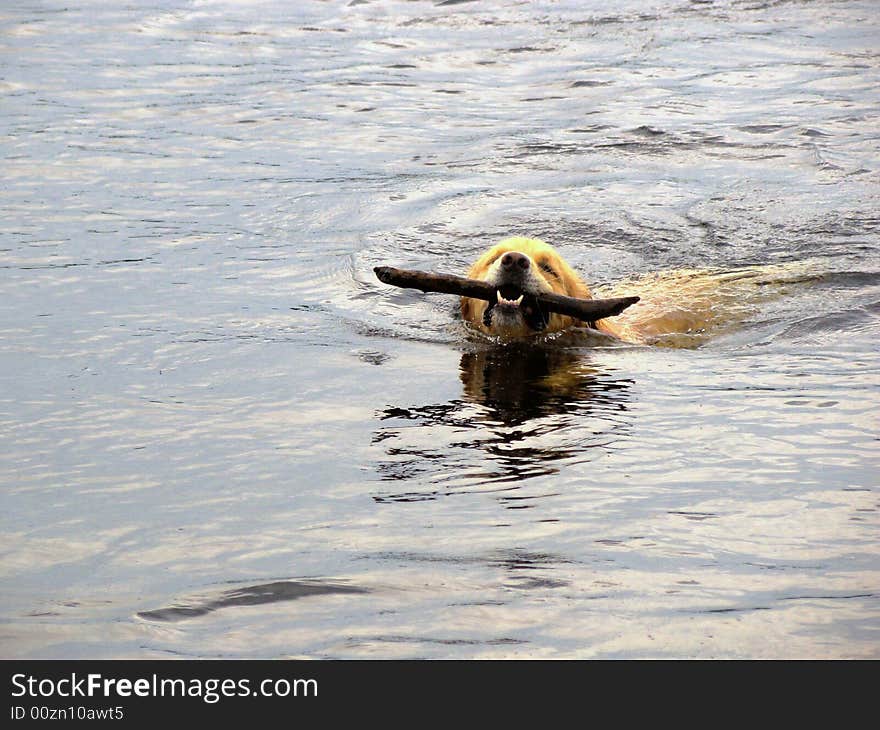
(222, 437)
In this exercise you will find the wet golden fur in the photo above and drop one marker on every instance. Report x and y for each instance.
(678, 308)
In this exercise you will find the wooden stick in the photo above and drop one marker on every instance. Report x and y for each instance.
(588, 310)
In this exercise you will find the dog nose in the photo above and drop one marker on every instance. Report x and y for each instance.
(515, 259)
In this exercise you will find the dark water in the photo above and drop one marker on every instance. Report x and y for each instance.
(222, 437)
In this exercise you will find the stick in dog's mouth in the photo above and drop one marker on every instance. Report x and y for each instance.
(539, 304)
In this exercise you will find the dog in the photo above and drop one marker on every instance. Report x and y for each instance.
(681, 308)
(519, 268)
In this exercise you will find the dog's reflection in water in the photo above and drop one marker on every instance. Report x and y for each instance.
(518, 383)
(526, 411)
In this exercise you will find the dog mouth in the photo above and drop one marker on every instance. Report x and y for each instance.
(512, 302)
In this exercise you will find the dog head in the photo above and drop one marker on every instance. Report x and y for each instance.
(519, 268)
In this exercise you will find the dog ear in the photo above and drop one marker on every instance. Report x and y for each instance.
(467, 309)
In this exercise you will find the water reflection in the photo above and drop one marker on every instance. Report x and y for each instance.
(519, 383)
(255, 595)
(521, 569)
(525, 410)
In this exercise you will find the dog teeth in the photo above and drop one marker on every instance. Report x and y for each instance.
(509, 302)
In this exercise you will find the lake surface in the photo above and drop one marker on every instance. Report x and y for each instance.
(223, 437)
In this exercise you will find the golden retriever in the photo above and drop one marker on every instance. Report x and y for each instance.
(679, 308)
(520, 268)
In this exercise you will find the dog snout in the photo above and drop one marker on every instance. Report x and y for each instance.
(514, 260)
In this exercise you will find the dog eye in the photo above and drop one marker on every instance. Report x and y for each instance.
(549, 269)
